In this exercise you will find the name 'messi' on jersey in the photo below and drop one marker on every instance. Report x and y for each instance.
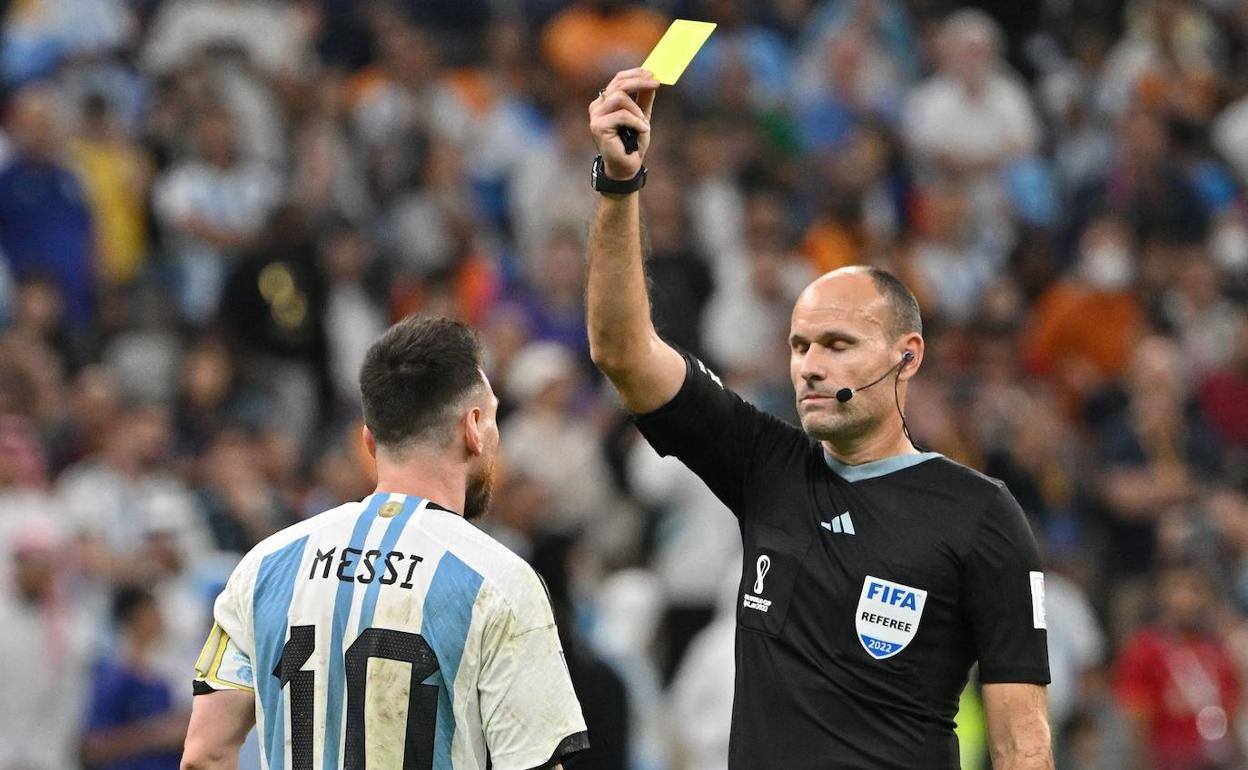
(355, 565)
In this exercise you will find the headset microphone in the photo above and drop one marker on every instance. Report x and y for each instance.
(845, 394)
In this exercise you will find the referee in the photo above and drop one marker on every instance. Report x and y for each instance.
(875, 575)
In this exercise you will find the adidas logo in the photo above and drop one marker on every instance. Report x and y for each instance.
(841, 525)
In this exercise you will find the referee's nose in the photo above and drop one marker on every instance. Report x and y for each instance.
(813, 368)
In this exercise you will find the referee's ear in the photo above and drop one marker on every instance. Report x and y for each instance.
(912, 357)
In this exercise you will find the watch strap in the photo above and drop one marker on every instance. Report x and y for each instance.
(602, 183)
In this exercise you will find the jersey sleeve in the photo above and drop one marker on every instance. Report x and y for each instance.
(1004, 596)
(225, 662)
(529, 710)
(715, 432)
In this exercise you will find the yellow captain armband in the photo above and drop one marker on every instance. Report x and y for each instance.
(222, 665)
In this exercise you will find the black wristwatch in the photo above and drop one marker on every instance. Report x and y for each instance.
(602, 183)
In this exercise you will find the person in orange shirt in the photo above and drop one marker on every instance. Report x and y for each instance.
(1083, 328)
(589, 41)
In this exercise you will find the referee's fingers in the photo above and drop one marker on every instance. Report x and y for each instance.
(637, 73)
(620, 118)
(619, 101)
(632, 85)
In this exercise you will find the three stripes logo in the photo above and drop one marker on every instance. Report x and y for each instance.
(840, 525)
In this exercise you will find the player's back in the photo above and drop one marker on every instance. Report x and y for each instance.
(392, 633)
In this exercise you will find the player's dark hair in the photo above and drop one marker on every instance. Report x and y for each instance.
(415, 377)
(906, 317)
(128, 600)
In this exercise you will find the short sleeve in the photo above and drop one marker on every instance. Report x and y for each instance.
(529, 710)
(225, 662)
(1004, 596)
(715, 432)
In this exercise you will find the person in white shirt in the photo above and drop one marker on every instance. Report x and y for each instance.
(394, 612)
(973, 116)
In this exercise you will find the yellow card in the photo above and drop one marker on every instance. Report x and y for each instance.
(677, 48)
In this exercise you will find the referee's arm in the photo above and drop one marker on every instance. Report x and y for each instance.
(1018, 726)
(646, 371)
(1005, 605)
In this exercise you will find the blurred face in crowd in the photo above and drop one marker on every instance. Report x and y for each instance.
(40, 307)
(1156, 382)
(215, 136)
(969, 48)
(840, 336)
(207, 374)
(34, 125)
(408, 54)
(1144, 139)
(1198, 282)
(34, 572)
(1106, 261)
(1184, 599)
(140, 438)
(145, 623)
(97, 402)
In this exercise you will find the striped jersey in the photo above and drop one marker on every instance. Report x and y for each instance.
(392, 633)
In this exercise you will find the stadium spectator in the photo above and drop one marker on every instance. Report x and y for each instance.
(1154, 457)
(972, 117)
(44, 655)
(1224, 394)
(212, 207)
(115, 173)
(132, 723)
(45, 224)
(1083, 328)
(1177, 682)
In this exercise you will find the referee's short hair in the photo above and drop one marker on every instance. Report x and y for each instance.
(906, 317)
(415, 379)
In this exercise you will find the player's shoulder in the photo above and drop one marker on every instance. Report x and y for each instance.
(500, 568)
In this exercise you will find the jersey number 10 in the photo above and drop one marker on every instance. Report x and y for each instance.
(384, 643)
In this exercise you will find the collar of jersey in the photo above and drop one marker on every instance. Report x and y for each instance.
(876, 468)
(398, 497)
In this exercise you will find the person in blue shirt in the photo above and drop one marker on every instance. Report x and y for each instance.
(133, 723)
(45, 224)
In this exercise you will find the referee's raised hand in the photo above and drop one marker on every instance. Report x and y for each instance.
(625, 102)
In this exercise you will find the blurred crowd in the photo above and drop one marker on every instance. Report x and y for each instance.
(210, 208)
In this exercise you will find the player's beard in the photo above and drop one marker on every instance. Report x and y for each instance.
(480, 490)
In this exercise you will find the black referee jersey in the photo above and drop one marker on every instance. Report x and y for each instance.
(867, 591)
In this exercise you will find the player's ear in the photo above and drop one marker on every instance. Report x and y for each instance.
(370, 443)
(473, 439)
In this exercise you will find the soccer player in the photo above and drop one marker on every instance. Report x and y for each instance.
(875, 575)
(392, 633)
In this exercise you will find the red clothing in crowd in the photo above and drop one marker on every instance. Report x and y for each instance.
(1169, 680)
(1224, 397)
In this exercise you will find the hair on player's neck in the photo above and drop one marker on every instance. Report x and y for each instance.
(439, 475)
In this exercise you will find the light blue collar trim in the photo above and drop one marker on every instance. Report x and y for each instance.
(876, 468)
